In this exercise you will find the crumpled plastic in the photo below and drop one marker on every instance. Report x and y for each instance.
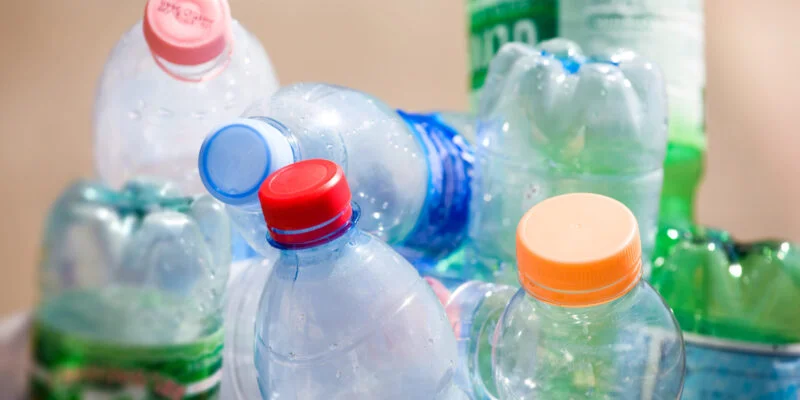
(737, 306)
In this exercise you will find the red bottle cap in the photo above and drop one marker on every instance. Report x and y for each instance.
(305, 201)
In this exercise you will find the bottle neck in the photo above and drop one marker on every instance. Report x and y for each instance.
(442, 224)
(196, 73)
(330, 235)
(594, 312)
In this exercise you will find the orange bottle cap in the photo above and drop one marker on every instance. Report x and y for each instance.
(578, 250)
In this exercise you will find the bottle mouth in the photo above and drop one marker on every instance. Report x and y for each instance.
(236, 158)
(582, 298)
(198, 72)
(315, 235)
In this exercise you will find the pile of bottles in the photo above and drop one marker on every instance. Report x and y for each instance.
(246, 241)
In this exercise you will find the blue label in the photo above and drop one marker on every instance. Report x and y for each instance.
(442, 225)
(728, 372)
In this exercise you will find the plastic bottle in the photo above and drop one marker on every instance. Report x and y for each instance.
(343, 315)
(409, 172)
(132, 285)
(671, 33)
(583, 325)
(186, 67)
(736, 305)
(553, 121)
(239, 375)
(493, 23)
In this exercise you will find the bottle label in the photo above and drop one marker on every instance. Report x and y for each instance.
(73, 368)
(442, 224)
(494, 23)
(725, 369)
(668, 32)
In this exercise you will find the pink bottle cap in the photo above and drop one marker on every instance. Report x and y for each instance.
(187, 32)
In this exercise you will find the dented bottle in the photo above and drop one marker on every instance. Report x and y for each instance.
(553, 121)
(132, 285)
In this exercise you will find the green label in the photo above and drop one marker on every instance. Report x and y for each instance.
(74, 368)
(494, 23)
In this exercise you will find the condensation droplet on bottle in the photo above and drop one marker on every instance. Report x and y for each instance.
(603, 92)
(134, 115)
(329, 147)
(292, 356)
(376, 215)
(385, 205)
(333, 346)
(338, 374)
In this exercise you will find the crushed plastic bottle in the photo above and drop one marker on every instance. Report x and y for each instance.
(583, 325)
(554, 121)
(186, 67)
(343, 315)
(671, 34)
(410, 173)
(133, 285)
(734, 302)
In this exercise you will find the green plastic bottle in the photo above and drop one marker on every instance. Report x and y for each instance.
(737, 306)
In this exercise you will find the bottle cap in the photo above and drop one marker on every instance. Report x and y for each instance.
(187, 32)
(578, 250)
(237, 157)
(306, 201)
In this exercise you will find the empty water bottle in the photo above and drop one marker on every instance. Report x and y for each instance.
(186, 67)
(410, 173)
(553, 121)
(239, 375)
(342, 314)
(583, 325)
(133, 283)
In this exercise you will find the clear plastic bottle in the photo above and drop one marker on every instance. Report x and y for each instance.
(583, 325)
(182, 70)
(553, 121)
(132, 285)
(410, 173)
(342, 315)
(671, 33)
(239, 375)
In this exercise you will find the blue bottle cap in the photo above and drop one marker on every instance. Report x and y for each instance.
(237, 157)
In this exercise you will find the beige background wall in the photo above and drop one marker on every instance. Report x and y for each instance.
(412, 53)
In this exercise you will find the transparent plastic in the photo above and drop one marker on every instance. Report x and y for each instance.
(553, 121)
(629, 348)
(474, 309)
(239, 377)
(150, 116)
(142, 266)
(349, 318)
(409, 173)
